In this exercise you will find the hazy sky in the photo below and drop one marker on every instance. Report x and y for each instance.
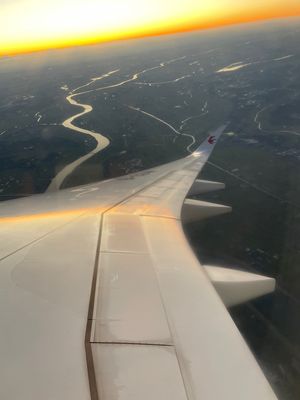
(36, 24)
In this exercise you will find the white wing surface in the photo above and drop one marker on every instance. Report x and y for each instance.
(101, 296)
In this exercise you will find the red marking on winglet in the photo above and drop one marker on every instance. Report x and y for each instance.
(212, 140)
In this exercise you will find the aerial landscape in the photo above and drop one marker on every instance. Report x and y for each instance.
(75, 116)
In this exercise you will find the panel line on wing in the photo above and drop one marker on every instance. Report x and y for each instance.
(135, 343)
(42, 237)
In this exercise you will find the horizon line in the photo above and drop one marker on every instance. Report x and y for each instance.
(85, 42)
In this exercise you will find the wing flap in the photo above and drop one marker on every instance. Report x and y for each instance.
(128, 306)
(122, 233)
(164, 297)
(127, 372)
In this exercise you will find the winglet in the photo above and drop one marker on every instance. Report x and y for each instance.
(209, 143)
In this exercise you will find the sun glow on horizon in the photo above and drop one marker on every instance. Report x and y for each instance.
(29, 25)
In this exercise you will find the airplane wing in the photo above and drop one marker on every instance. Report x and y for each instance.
(101, 296)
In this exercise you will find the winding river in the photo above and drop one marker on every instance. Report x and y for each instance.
(102, 141)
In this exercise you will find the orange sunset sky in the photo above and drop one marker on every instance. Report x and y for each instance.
(30, 25)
